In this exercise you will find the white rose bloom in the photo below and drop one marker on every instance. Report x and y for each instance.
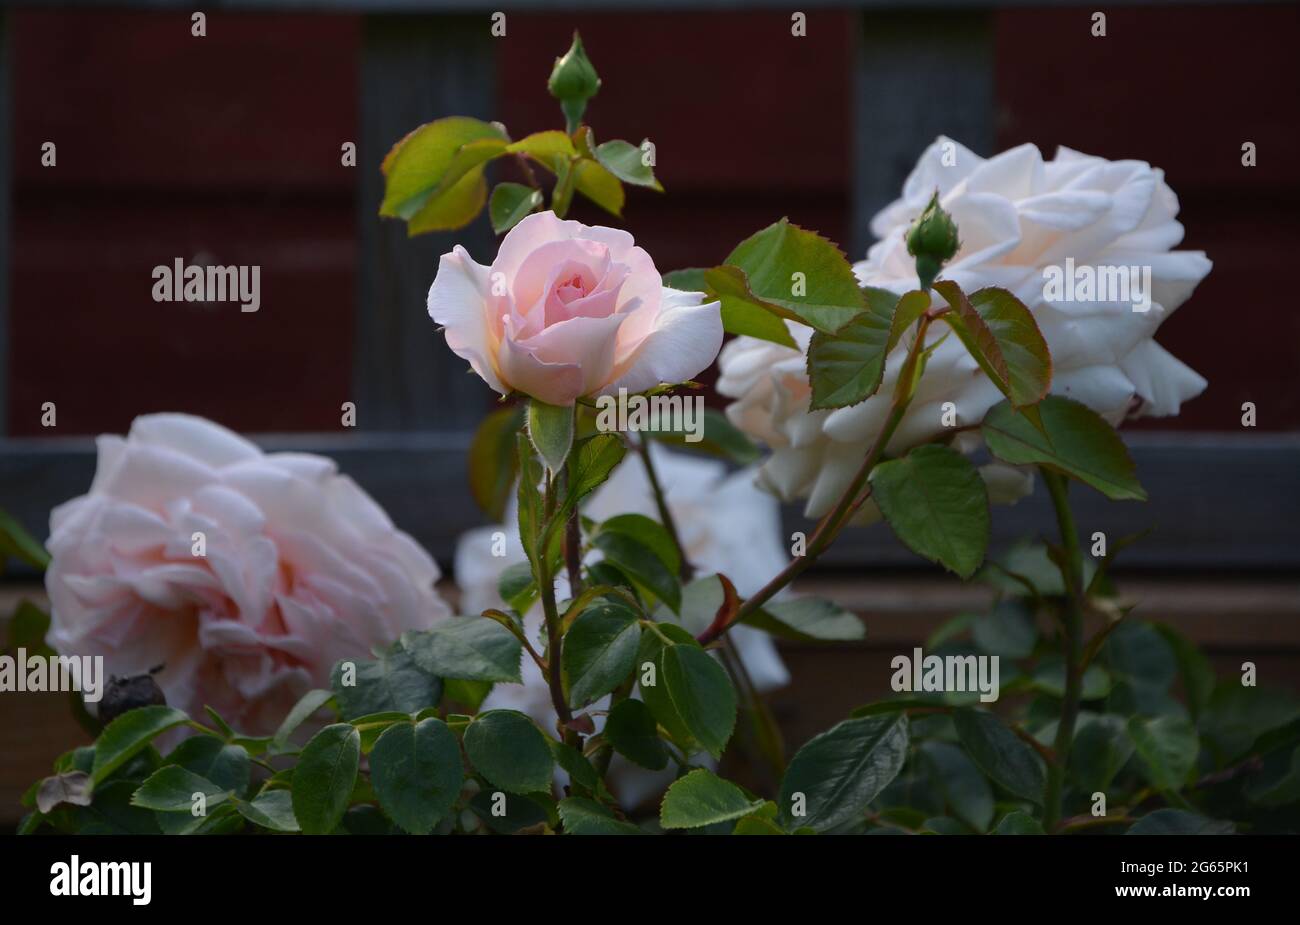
(725, 525)
(1017, 216)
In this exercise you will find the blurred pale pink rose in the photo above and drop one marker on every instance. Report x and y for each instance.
(302, 568)
(567, 311)
(1017, 214)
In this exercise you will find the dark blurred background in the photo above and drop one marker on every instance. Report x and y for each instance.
(226, 149)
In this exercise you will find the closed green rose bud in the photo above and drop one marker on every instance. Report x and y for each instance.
(573, 82)
(932, 240)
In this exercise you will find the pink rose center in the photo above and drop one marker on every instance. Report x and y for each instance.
(575, 287)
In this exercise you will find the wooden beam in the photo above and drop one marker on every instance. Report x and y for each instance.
(916, 76)
(1218, 502)
(413, 70)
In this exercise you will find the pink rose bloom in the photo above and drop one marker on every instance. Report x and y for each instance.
(301, 568)
(567, 311)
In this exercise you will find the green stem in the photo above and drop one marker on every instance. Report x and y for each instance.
(554, 640)
(829, 527)
(665, 514)
(1072, 575)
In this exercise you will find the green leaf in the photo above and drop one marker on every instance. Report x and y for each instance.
(324, 778)
(966, 793)
(839, 772)
(547, 148)
(271, 810)
(1074, 440)
(688, 279)
(171, 790)
(1167, 747)
(719, 437)
(576, 765)
(701, 695)
(600, 651)
(640, 563)
(1018, 823)
(227, 766)
(1000, 753)
(510, 204)
(129, 734)
(626, 161)
(743, 312)
(529, 498)
(1003, 337)
(1101, 749)
(453, 209)
(493, 464)
(417, 165)
(937, 504)
(1237, 717)
(846, 367)
(507, 748)
(392, 682)
(1007, 631)
(550, 427)
(702, 798)
(1278, 782)
(308, 704)
(1049, 678)
(112, 813)
(826, 296)
(586, 817)
(808, 619)
(1178, 822)
(16, 541)
(466, 648)
(517, 587)
(28, 627)
(469, 694)
(631, 731)
(417, 774)
(758, 824)
(595, 182)
(910, 307)
(1193, 667)
(649, 533)
(593, 460)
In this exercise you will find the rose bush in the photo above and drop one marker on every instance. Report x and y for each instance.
(598, 604)
(726, 524)
(1018, 215)
(296, 567)
(567, 311)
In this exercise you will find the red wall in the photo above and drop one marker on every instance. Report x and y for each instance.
(171, 146)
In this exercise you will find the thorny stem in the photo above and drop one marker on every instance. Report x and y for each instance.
(828, 528)
(573, 553)
(1072, 575)
(554, 641)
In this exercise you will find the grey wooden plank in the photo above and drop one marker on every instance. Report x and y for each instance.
(413, 70)
(916, 76)
(1217, 501)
